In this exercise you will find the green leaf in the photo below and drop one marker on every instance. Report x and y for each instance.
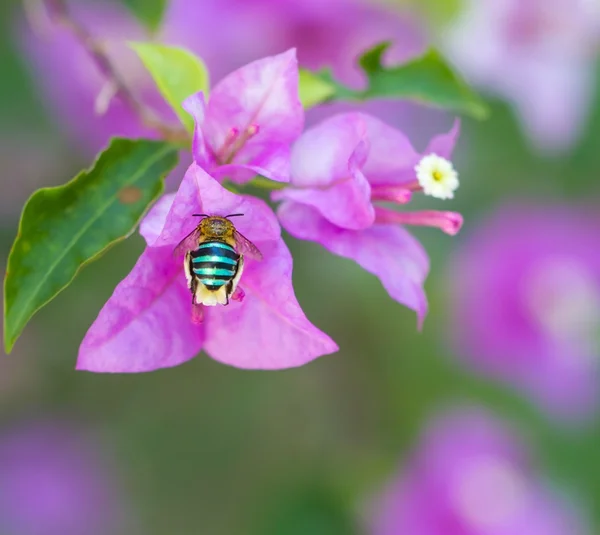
(313, 89)
(149, 12)
(177, 73)
(428, 79)
(264, 183)
(65, 227)
(439, 13)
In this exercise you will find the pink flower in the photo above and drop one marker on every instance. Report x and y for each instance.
(252, 117)
(149, 323)
(538, 54)
(526, 303)
(55, 481)
(341, 170)
(227, 34)
(73, 89)
(471, 475)
(326, 34)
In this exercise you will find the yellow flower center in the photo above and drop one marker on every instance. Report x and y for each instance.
(437, 176)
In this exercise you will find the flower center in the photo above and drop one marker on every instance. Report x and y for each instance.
(489, 493)
(563, 298)
(437, 177)
(234, 141)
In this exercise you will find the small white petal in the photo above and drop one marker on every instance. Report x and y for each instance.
(437, 176)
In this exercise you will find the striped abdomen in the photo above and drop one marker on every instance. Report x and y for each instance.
(214, 264)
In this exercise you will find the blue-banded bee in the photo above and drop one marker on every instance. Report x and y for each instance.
(214, 259)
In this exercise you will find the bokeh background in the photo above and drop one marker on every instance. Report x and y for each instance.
(205, 448)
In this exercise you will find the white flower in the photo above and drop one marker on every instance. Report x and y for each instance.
(437, 177)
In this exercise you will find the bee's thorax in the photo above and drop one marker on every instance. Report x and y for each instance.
(216, 228)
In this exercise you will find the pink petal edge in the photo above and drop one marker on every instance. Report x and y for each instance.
(443, 144)
(387, 251)
(195, 105)
(270, 102)
(268, 330)
(145, 324)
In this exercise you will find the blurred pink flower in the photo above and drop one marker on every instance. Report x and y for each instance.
(54, 482)
(325, 33)
(252, 117)
(526, 303)
(148, 324)
(341, 169)
(74, 91)
(331, 33)
(538, 54)
(471, 475)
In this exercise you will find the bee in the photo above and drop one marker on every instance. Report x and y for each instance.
(214, 259)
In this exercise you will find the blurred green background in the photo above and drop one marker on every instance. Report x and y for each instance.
(205, 448)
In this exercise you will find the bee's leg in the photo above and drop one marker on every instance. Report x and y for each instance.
(193, 285)
(189, 273)
(192, 282)
(228, 291)
(236, 293)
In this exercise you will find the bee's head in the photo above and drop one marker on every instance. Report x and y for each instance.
(216, 226)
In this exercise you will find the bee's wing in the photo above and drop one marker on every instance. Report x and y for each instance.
(189, 243)
(246, 247)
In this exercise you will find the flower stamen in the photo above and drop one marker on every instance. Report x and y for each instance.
(252, 130)
(235, 142)
(232, 136)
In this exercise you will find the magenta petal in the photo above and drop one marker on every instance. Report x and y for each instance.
(145, 325)
(320, 157)
(443, 144)
(268, 329)
(195, 105)
(387, 251)
(154, 221)
(346, 204)
(392, 157)
(201, 193)
(179, 220)
(326, 172)
(261, 97)
(273, 164)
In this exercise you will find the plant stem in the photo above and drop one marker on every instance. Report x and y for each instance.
(60, 12)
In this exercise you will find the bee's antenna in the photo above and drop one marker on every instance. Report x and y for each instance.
(201, 215)
(233, 215)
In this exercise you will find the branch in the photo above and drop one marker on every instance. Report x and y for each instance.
(60, 12)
